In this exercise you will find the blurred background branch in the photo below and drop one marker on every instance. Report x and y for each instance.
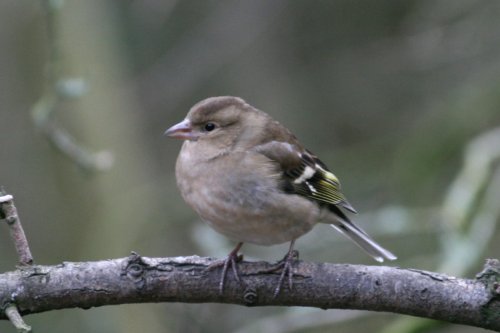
(469, 216)
(57, 88)
(471, 209)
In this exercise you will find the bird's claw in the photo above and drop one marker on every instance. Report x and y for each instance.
(286, 266)
(232, 260)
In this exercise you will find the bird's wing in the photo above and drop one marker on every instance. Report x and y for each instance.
(304, 174)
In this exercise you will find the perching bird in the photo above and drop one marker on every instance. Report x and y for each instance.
(251, 180)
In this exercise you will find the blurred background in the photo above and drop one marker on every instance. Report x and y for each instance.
(400, 98)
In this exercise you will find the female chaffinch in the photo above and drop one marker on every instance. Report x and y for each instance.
(250, 179)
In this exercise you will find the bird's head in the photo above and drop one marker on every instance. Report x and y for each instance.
(219, 121)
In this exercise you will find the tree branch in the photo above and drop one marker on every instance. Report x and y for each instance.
(137, 279)
(13, 314)
(8, 212)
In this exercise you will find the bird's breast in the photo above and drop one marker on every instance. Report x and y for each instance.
(239, 196)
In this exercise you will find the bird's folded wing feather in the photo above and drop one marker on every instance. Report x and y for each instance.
(305, 174)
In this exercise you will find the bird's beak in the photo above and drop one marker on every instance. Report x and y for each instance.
(182, 130)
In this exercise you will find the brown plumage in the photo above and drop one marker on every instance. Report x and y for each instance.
(250, 179)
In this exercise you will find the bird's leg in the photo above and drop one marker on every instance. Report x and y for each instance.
(232, 259)
(287, 268)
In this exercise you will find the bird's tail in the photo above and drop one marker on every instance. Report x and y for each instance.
(358, 236)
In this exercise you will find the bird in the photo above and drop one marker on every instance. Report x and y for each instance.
(249, 178)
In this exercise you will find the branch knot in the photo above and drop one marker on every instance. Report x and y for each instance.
(134, 269)
(250, 296)
(490, 276)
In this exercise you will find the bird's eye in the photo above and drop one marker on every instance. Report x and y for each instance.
(209, 127)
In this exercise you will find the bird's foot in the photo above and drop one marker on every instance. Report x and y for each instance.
(286, 267)
(231, 261)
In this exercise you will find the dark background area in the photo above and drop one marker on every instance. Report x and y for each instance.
(387, 93)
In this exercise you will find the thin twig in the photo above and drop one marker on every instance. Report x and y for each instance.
(9, 212)
(15, 318)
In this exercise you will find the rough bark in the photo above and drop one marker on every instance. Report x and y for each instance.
(137, 279)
